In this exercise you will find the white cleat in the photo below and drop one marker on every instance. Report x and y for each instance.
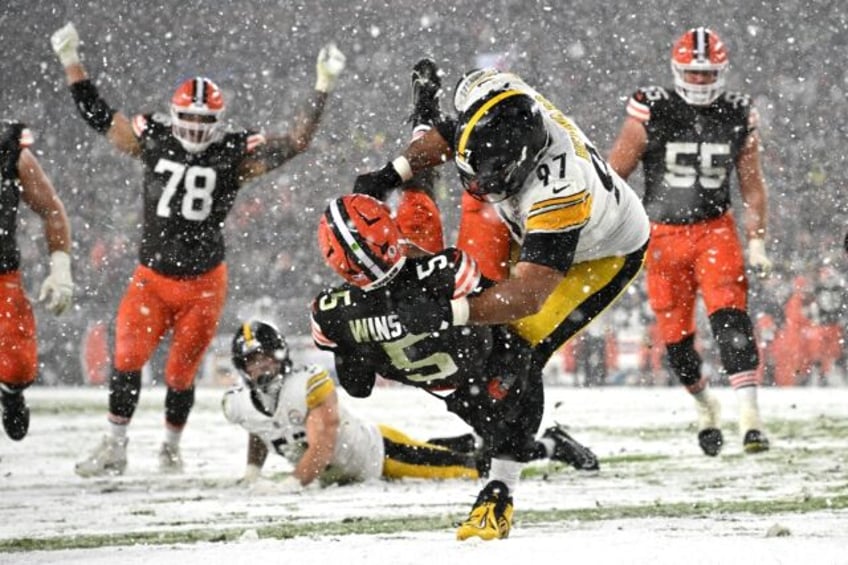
(109, 458)
(170, 460)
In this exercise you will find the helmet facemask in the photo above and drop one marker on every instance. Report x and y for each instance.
(195, 110)
(501, 142)
(261, 355)
(265, 380)
(699, 50)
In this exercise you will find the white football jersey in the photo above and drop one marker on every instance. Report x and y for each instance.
(359, 447)
(572, 187)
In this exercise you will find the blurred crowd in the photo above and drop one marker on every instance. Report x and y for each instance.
(587, 59)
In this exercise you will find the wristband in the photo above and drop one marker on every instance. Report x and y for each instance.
(460, 310)
(94, 110)
(402, 167)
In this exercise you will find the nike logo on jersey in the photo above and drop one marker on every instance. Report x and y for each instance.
(559, 189)
(376, 328)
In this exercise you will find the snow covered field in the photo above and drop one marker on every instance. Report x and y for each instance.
(655, 500)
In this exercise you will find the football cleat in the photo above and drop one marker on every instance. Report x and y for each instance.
(710, 437)
(755, 441)
(569, 450)
(711, 440)
(426, 87)
(491, 515)
(170, 460)
(108, 458)
(15, 414)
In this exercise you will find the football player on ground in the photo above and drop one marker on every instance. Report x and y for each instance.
(296, 412)
(193, 170)
(485, 374)
(22, 178)
(689, 140)
(581, 232)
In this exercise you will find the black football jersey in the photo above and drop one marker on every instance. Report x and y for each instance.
(363, 331)
(14, 137)
(691, 152)
(187, 196)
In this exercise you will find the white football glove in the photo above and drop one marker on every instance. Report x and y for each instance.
(330, 64)
(65, 42)
(758, 259)
(58, 288)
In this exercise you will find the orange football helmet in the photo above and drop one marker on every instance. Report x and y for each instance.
(360, 241)
(700, 50)
(195, 108)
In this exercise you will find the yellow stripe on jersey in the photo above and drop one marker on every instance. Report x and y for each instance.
(318, 388)
(428, 463)
(583, 281)
(560, 214)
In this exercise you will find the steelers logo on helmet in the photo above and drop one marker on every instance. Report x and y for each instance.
(499, 142)
(699, 62)
(360, 241)
(195, 110)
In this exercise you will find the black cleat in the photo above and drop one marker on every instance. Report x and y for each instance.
(711, 440)
(755, 441)
(15, 415)
(569, 450)
(426, 88)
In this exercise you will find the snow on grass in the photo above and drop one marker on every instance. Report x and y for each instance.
(656, 499)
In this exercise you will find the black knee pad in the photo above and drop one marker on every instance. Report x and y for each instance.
(124, 391)
(685, 361)
(178, 405)
(734, 335)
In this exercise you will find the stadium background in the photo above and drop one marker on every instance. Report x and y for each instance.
(586, 57)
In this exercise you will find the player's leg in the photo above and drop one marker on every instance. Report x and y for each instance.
(407, 457)
(18, 355)
(198, 304)
(417, 214)
(721, 272)
(139, 326)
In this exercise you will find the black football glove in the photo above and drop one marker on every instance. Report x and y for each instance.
(378, 183)
(422, 314)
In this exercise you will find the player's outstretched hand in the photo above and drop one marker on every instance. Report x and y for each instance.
(57, 290)
(65, 42)
(758, 259)
(329, 66)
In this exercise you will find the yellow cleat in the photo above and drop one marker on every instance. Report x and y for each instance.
(491, 515)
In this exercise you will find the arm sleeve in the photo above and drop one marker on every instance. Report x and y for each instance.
(355, 376)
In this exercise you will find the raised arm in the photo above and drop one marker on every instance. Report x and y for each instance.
(279, 149)
(94, 110)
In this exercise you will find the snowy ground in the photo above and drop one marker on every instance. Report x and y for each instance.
(655, 500)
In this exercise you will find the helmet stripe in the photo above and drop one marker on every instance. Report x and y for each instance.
(466, 132)
(248, 333)
(358, 250)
